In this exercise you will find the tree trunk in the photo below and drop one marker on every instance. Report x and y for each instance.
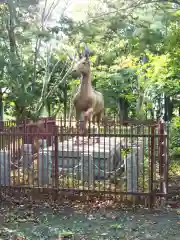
(123, 109)
(65, 100)
(1, 106)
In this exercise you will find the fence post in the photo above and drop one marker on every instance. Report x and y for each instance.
(152, 167)
(56, 167)
(167, 158)
(162, 159)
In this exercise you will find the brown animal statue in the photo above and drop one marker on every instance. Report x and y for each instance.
(88, 103)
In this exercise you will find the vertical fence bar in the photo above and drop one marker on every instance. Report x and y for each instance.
(19, 157)
(112, 167)
(1, 153)
(82, 122)
(133, 167)
(143, 163)
(167, 158)
(8, 155)
(75, 167)
(153, 168)
(125, 131)
(160, 152)
(62, 155)
(162, 159)
(138, 130)
(24, 141)
(149, 164)
(93, 157)
(109, 146)
(56, 160)
(104, 162)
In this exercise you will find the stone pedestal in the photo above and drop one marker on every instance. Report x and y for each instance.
(101, 158)
(26, 153)
(87, 166)
(133, 165)
(45, 164)
(5, 168)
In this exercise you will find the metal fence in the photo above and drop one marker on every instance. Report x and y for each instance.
(126, 162)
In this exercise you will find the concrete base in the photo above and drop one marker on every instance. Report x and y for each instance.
(105, 156)
(5, 168)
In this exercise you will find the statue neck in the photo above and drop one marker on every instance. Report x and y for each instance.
(86, 80)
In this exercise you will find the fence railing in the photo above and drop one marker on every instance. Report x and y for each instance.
(114, 160)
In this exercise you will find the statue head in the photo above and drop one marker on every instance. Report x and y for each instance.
(83, 65)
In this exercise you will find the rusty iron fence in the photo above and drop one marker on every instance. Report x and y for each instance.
(125, 161)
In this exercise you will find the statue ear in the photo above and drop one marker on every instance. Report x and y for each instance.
(80, 55)
(86, 52)
(87, 57)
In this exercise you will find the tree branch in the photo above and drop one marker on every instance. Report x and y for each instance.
(130, 7)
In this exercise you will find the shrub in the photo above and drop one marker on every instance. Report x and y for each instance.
(175, 138)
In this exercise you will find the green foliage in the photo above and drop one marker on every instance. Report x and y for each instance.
(175, 138)
(30, 71)
(35, 74)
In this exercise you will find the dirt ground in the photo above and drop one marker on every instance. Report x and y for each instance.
(46, 223)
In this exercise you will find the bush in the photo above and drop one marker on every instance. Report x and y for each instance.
(175, 138)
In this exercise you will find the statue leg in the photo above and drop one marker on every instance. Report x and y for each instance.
(87, 117)
(78, 125)
(94, 122)
(88, 113)
(81, 124)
